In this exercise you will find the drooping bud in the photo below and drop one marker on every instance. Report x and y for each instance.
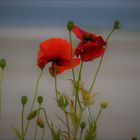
(24, 100)
(117, 24)
(40, 122)
(2, 63)
(32, 114)
(70, 25)
(103, 104)
(40, 99)
(82, 125)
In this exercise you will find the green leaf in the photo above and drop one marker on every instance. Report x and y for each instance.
(17, 132)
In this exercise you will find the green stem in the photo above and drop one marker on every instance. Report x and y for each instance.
(36, 89)
(43, 133)
(77, 97)
(22, 121)
(35, 95)
(1, 77)
(81, 132)
(100, 61)
(99, 113)
(67, 122)
(46, 118)
(36, 124)
(89, 113)
(55, 83)
(71, 52)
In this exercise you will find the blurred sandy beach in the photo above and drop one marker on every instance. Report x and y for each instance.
(118, 80)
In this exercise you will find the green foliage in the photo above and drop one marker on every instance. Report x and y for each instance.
(55, 133)
(17, 132)
(134, 138)
(91, 132)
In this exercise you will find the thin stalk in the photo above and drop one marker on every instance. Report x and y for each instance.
(46, 118)
(36, 89)
(55, 83)
(36, 124)
(90, 116)
(77, 97)
(22, 121)
(81, 132)
(1, 77)
(99, 113)
(35, 95)
(100, 61)
(43, 133)
(71, 52)
(67, 122)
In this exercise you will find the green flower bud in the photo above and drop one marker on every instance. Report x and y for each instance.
(2, 63)
(62, 101)
(87, 37)
(40, 122)
(82, 125)
(134, 138)
(40, 99)
(24, 100)
(103, 104)
(70, 25)
(32, 115)
(116, 25)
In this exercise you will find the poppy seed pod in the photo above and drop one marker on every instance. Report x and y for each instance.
(103, 105)
(40, 99)
(24, 100)
(117, 24)
(70, 25)
(82, 125)
(32, 115)
(2, 63)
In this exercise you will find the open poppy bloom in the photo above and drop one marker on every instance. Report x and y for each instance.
(91, 45)
(57, 51)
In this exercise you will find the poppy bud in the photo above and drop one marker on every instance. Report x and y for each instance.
(62, 101)
(40, 122)
(82, 125)
(24, 100)
(116, 25)
(87, 37)
(103, 105)
(32, 115)
(70, 25)
(2, 63)
(134, 138)
(40, 99)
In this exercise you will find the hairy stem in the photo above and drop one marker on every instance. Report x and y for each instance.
(1, 77)
(71, 52)
(100, 61)
(35, 95)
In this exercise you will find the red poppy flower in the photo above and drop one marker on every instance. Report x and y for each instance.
(91, 45)
(57, 51)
